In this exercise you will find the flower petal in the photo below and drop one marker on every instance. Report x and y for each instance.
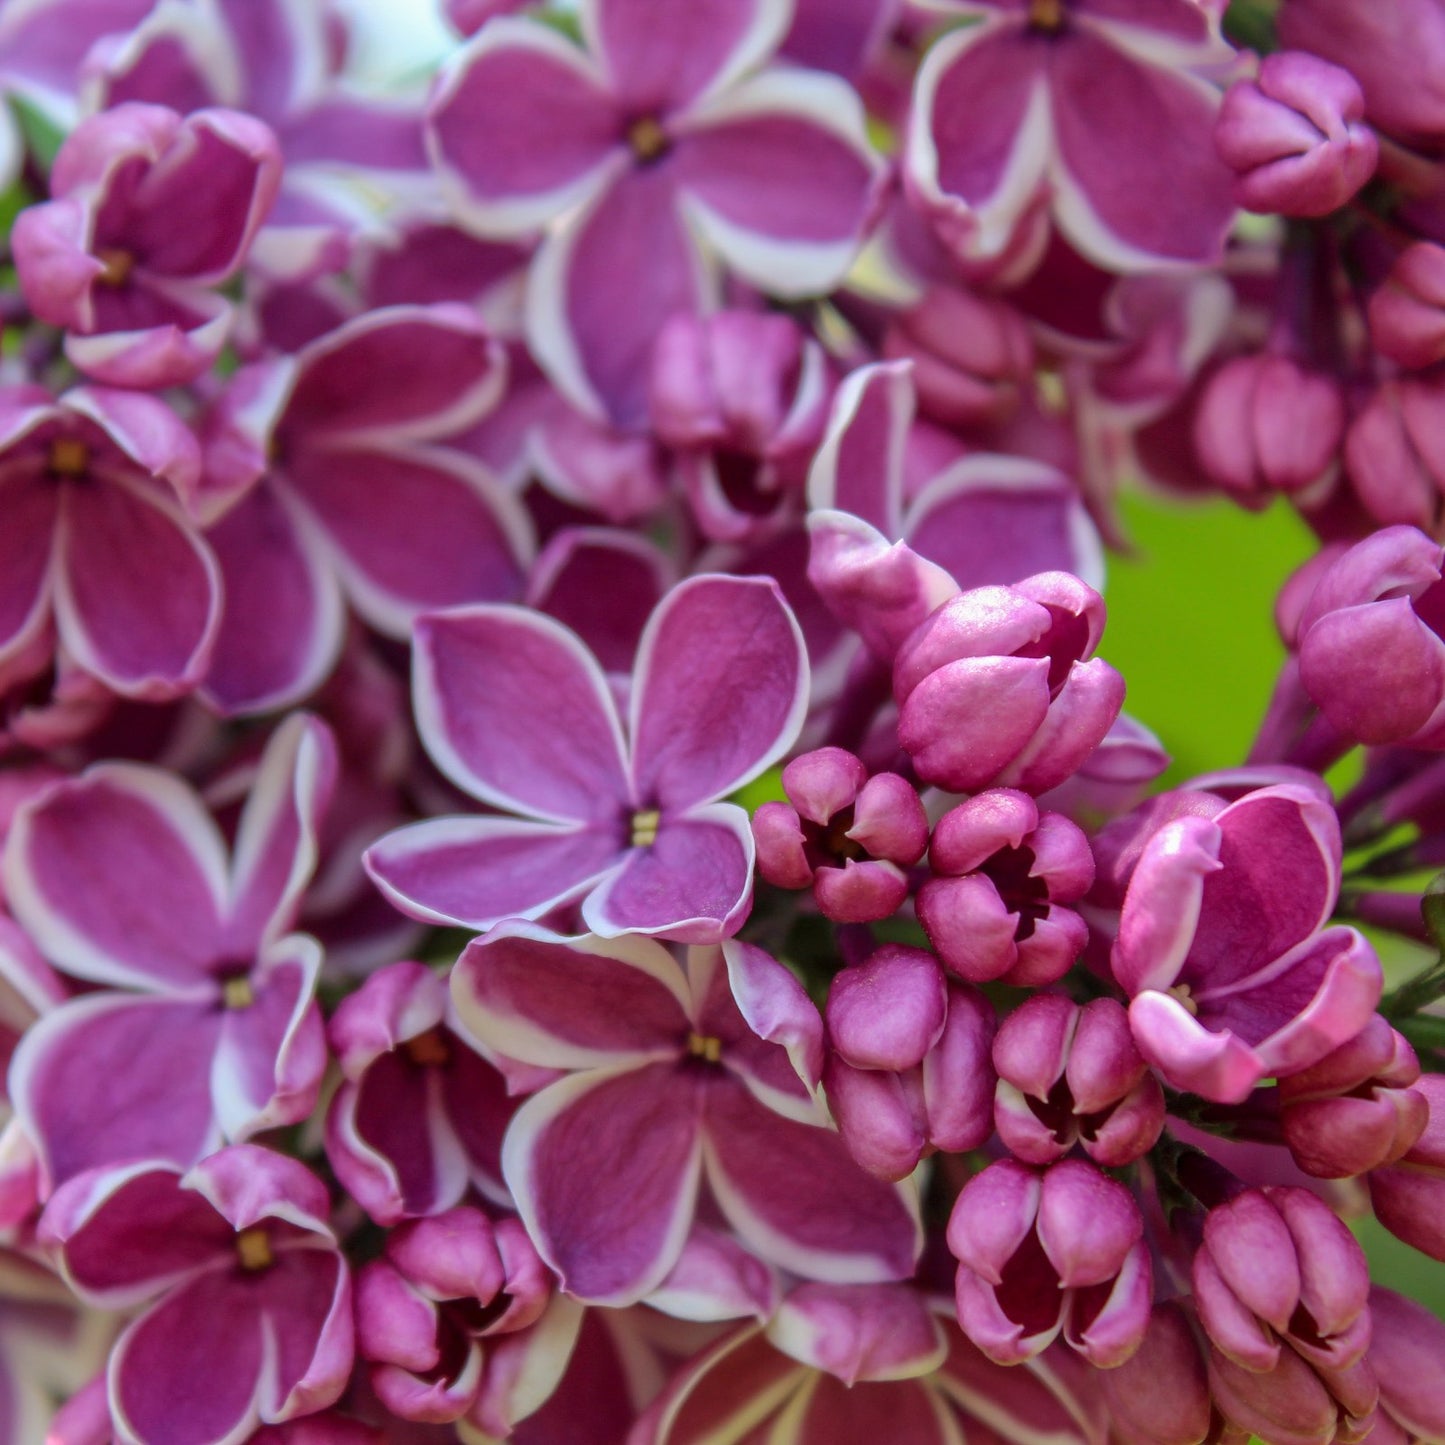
(859, 466)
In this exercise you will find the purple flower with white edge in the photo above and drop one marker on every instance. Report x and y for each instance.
(516, 712)
(457, 1319)
(999, 687)
(96, 487)
(204, 1027)
(249, 1319)
(420, 1114)
(658, 151)
(1048, 1252)
(1072, 1075)
(907, 1070)
(1004, 874)
(151, 214)
(848, 836)
(346, 486)
(883, 563)
(1098, 105)
(671, 1077)
(1222, 945)
(1278, 1270)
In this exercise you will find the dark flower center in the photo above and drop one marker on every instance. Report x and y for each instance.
(647, 139)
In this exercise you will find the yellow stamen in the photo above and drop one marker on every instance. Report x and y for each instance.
(115, 267)
(254, 1248)
(647, 139)
(644, 828)
(1046, 14)
(69, 457)
(704, 1046)
(428, 1049)
(1182, 992)
(236, 992)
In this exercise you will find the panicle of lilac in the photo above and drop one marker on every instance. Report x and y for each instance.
(850, 837)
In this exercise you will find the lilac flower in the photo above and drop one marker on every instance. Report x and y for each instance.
(1223, 949)
(907, 1070)
(348, 489)
(95, 485)
(457, 1319)
(151, 214)
(1407, 313)
(420, 1114)
(1003, 876)
(1278, 1270)
(626, 824)
(849, 837)
(1045, 1252)
(1098, 106)
(250, 1297)
(1407, 1195)
(204, 1027)
(1160, 1394)
(1070, 1075)
(853, 1365)
(1392, 451)
(1295, 136)
(669, 1078)
(660, 151)
(1406, 1337)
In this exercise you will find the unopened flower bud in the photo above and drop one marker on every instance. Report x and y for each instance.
(1409, 1196)
(995, 687)
(1407, 313)
(1265, 424)
(1295, 136)
(1395, 451)
(848, 836)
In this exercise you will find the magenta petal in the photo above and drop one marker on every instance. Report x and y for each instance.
(284, 620)
(604, 1168)
(663, 67)
(720, 690)
(795, 1195)
(116, 547)
(779, 175)
(570, 1003)
(1217, 1066)
(601, 289)
(859, 466)
(473, 872)
(144, 1090)
(1125, 201)
(306, 1295)
(549, 121)
(413, 528)
(271, 1054)
(30, 516)
(120, 877)
(275, 851)
(693, 885)
(189, 1371)
(478, 676)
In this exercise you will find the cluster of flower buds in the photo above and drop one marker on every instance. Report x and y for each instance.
(572, 868)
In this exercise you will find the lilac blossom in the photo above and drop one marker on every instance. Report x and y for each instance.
(667, 1078)
(249, 1317)
(1407, 313)
(627, 824)
(204, 1027)
(662, 154)
(1407, 1193)
(151, 214)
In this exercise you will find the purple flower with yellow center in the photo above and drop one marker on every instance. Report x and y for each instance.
(651, 152)
(518, 714)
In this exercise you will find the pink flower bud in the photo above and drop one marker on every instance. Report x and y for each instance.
(1295, 136)
(1407, 1345)
(1409, 1197)
(1354, 1111)
(848, 835)
(1293, 1404)
(888, 1012)
(971, 355)
(1071, 1075)
(995, 687)
(1264, 424)
(1277, 1269)
(1023, 1237)
(1395, 451)
(1160, 1396)
(1370, 652)
(1004, 872)
(1407, 313)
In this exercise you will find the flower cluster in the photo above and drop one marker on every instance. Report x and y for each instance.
(571, 866)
